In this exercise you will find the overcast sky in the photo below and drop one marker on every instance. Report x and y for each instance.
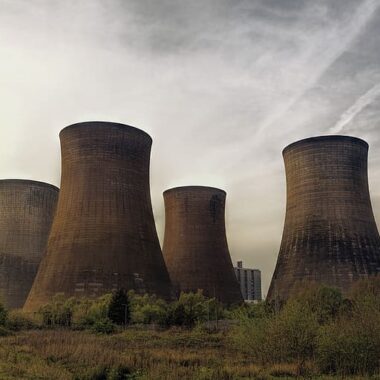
(222, 86)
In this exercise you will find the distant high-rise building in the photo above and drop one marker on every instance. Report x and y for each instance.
(250, 282)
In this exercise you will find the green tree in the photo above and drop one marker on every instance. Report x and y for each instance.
(119, 310)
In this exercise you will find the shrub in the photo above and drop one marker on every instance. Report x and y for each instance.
(192, 308)
(58, 312)
(17, 321)
(103, 326)
(289, 336)
(326, 302)
(119, 310)
(293, 332)
(87, 311)
(351, 345)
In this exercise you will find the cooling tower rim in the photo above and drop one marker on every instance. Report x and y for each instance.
(194, 188)
(105, 123)
(28, 182)
(325, 138)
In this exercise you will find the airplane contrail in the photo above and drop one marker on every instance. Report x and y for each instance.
(359, 105)
(328, 53)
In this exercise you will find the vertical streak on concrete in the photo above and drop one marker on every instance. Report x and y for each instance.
(104, 235)
(195, 244)
(330, 234)
(26, 213)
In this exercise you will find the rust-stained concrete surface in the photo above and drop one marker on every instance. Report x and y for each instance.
(330, 235)
(195, 245)
(26, 214)
(103, 236)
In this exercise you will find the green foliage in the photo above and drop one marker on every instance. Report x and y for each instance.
(80, 314)
(18, 321)
(58, 312)
(86, 312)
(147, 309)
(119, 310)
(351, 345)
(325, 302)
(341, 335)
(289, 336)
(189, 310)
(293, 333)
(250, 310)
(193, 308)
(103, 326)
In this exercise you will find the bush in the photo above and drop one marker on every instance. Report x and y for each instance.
(147, 309)
(289, 336)
(83, 313)
(17, 321)
(103, 326)
(86, 312)
(250, 336)
(193, 308)
(351, 346)
(293, 332)
(341, 335)
(119, 311)
(58, 312)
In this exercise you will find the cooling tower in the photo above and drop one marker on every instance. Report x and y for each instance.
(195, 244)
(26, 214)
(330, 235)
(103, 235)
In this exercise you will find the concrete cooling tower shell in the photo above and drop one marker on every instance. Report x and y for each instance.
(104, 235)
(195, 244)
(330, 234)
(26, 213)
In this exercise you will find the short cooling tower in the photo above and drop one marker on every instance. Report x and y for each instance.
(195, 244)
(26, 214)
(330, 235)
(103, 236)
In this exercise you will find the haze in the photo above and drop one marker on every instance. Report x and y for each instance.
(221, 86)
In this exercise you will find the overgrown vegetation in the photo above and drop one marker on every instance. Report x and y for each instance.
(317, 334)
(340, 336)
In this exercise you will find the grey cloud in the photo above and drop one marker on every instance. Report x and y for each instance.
(221, 85)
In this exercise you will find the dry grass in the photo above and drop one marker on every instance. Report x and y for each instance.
(133, 354)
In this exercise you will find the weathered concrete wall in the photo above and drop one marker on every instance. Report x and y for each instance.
(195, 245)
(330, 235)
(26, 214)
(103, 236)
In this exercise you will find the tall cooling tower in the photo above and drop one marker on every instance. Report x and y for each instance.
(330, 234)
(26, 214)
(195, 244)
(104, 235)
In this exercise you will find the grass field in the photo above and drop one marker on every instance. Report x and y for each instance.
(133, 354)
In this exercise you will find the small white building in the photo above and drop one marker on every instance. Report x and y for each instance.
(250, 282)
